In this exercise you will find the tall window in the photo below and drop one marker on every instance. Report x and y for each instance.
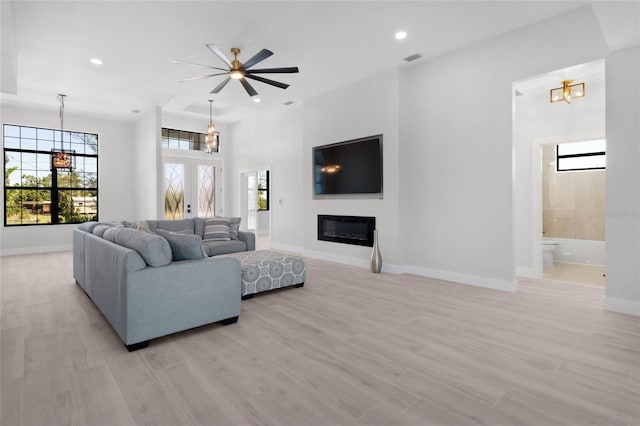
(263, 190)
(30, 184)
(584, 155)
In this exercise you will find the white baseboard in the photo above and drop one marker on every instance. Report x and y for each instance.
(32, 250)
(345, 260)
(623, 306)
(474, 280)
(468, 279)
(286, 247)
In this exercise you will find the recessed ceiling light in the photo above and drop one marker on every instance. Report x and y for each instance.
(257, 100)
(401, 35)
(95, 61)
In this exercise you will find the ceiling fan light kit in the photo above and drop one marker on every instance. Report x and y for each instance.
(241, 71)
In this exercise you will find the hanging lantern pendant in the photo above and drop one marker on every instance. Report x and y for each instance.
(61, 159)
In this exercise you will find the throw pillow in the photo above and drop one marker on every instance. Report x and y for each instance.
(234, 227)
(216, 230)
(232, 222)
(183, 246)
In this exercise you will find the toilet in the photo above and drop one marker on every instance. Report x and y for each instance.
(548, 248)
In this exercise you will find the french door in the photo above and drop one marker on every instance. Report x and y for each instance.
(191, 187)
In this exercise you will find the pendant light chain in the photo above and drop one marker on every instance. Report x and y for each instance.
(61, 97)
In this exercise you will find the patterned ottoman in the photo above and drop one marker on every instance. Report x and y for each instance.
(264, 270)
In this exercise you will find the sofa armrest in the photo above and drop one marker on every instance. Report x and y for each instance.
(180, 296)
(249, 239)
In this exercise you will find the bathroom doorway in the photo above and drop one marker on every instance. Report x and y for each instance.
(550, 200)
(573, 176)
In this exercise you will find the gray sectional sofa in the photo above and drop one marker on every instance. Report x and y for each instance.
(148, 285)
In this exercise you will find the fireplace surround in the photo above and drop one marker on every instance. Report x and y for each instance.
(355, 230)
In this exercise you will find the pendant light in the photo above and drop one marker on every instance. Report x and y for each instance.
(61, 159)
(212, 136)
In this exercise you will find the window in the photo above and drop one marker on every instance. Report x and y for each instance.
(37, 194)
(263, 190)
(188, 141)
(585, 155)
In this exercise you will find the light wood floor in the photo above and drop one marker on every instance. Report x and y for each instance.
(349, 348)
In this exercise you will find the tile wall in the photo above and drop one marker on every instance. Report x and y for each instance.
(573, 203)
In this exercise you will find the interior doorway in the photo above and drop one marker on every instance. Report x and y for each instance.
(540, 125)
(572, 210)
(256, 205)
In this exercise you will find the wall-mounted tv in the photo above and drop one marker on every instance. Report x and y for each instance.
(348, 169)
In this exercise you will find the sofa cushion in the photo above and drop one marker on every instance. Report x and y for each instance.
(179, 225)
(214, 248)
(184, 246)
(141, 225)
(99, 229)
(154, 249)
(110, 234)
(88, 226)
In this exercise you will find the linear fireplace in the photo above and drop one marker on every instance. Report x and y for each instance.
(356, 230)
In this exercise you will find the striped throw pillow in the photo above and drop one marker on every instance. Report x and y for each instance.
(217, 229)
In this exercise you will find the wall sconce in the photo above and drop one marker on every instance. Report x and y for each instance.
(567, 92)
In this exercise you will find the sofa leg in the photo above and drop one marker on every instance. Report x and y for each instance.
(136, 346)
(247, 296)
(228, 321)
(298, 285)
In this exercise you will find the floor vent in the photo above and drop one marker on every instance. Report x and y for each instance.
(413, 57)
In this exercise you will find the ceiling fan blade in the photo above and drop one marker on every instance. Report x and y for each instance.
(201, 77)
(220, 86)
(175, 61)
(258, 57)
(286, 70)
(250, 90)
(220, 54)
(266, 80)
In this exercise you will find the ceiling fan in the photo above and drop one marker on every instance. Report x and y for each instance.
(240, 71)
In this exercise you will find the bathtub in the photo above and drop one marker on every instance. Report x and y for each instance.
(588, 252)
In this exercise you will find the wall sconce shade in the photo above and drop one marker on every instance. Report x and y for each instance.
(567, 92)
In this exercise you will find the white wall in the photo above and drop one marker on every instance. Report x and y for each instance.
(366, 108)
(146, 151)
(117, 193)
(537, 122)
(457, 146)
(263, 219)
(623, 182)
(271, 141)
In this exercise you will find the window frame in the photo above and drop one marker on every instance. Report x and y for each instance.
(195, 141)
(579, 155)
(53, 189)
(262, 190)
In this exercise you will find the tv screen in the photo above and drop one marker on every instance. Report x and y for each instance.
(349, 168)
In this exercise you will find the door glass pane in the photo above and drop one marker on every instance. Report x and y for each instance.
(173, 187)
(206, 190)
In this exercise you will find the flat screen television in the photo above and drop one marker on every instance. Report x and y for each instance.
(350, 168)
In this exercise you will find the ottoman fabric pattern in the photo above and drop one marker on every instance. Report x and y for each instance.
(265, 270)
